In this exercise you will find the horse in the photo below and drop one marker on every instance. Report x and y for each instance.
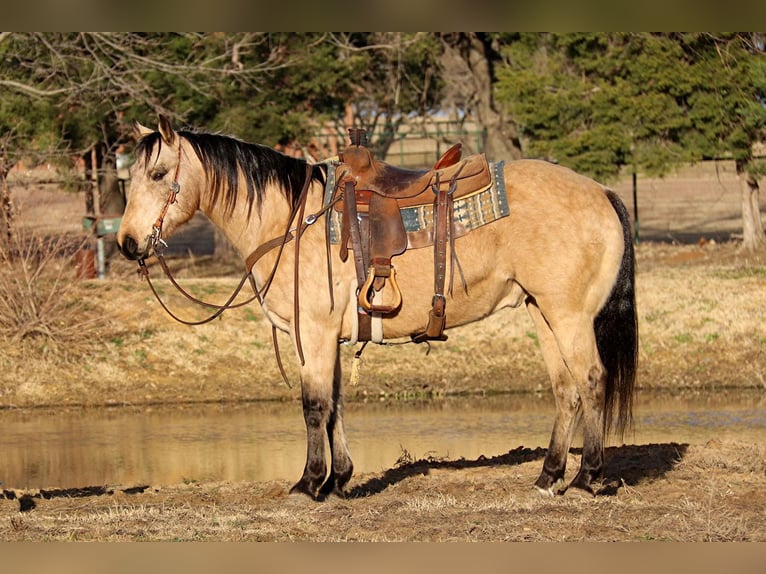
(564, 251)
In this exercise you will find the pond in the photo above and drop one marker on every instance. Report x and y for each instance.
(126, 446)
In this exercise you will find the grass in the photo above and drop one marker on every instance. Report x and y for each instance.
(696, 330)
(744, 272)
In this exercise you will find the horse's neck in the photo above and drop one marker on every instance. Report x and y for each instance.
(247, 229)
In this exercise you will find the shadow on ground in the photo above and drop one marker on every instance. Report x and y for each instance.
(625, 465)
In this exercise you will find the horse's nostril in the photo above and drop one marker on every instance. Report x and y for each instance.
(129, 247)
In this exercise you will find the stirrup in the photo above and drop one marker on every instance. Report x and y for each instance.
(364, 294)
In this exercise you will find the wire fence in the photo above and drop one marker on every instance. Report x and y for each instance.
(693, 203)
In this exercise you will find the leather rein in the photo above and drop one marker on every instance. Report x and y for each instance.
(279, 242)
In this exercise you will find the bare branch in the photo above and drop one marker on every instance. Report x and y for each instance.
(36, 92)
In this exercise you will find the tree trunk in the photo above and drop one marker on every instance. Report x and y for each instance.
(753, 237)
(468, 72)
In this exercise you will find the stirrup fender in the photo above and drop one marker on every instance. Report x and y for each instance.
(364, 299)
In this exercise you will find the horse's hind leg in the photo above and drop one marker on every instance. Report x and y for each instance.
(569, 347)
(591, 379)
(551, 479)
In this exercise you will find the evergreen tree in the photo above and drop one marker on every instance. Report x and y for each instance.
(600, 101)
(596, 102)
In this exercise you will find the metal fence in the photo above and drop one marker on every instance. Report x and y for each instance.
(695, 202)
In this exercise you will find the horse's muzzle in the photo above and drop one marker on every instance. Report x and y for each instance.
(129, 248)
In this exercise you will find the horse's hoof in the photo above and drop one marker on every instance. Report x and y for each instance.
(301, 489)
(550, 490)
(337, 492)
(325, 493)
(583, 482)
(546, 491)
(583, 490)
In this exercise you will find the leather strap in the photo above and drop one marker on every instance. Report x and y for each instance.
(356, 238)
(275, 343)
(219, 309)
(296, 288)
(444, 227)
(441, 215)
(361, 255)
(156, 238)
(437, 316)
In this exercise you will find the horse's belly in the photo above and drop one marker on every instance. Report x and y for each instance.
(488, 287)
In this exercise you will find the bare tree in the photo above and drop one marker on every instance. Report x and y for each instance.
(468, 62)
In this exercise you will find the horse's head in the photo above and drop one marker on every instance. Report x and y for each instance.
(161, 195)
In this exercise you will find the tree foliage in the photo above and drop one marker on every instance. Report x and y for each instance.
(593, 101)
(267, 87)
(599, 101)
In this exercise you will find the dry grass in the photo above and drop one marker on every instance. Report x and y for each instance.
(701, 317)
(45, 321)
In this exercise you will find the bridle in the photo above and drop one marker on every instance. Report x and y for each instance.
(156, 240)
(291, 233)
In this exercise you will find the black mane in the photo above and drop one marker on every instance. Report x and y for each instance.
(223, 157)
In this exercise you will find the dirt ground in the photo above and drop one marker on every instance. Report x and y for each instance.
(651, 492)
(702, 310)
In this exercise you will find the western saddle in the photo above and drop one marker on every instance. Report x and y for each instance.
(373, 194)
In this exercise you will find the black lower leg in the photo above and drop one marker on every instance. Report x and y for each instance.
(554, 466)
(315, 412)
(591, 469)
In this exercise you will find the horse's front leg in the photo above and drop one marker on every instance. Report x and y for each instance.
(322, 412)
(316, 411)
(342, 468)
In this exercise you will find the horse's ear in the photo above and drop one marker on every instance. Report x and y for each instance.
(140, 131)
(166, 130)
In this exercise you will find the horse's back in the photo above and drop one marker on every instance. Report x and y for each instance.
(553, 190)
(546, 199)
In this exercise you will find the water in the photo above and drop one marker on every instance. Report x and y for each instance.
(169, 445)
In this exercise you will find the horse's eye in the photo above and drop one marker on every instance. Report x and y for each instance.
(158, 175)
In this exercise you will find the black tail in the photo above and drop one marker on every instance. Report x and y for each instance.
(616, 327)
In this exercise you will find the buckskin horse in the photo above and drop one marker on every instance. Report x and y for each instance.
(558, 243)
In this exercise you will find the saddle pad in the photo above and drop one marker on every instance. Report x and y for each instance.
(470, 211)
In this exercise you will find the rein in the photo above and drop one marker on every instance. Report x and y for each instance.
(159, 245)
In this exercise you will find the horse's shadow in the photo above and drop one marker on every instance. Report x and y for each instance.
(625, 465)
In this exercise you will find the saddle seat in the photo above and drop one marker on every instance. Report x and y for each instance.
(409, 187)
